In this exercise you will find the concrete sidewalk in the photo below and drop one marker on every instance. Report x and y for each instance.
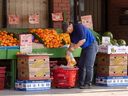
(99, 91)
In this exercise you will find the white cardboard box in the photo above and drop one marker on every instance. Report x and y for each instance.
(112, 81)
(32, 85)
(110, 49)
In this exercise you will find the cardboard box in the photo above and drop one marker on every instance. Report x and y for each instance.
(111, 70)
(25, 43)
(33, 61)
(104, 59)
(33, 73)
(33, 67)
(112, 81)
(32, 85)
(109, 49)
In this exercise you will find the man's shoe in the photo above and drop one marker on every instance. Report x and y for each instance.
(86, 86)
(82, 87)
(89, 86)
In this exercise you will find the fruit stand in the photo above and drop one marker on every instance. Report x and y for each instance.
(9, 53)
(57, 51)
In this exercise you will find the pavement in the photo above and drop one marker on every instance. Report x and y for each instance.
(96, 90)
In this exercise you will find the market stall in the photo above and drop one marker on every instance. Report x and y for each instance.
(9, 53)
(21, 15)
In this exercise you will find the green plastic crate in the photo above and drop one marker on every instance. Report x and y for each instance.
(3, 53)
(11, 53)
(57, 52)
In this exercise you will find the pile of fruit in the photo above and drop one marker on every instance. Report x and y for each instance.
(119, 42)
(7, 39)
(50, 37)
(113, 41)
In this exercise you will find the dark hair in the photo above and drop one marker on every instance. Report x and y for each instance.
(65, 26)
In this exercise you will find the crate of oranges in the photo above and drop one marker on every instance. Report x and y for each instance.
(8, 39)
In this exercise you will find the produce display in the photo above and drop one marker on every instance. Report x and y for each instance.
(109, 34)
(50, 38)
(8, 39)
(119, 42)
(113, 41)
(97, 36)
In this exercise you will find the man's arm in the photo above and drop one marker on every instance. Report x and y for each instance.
(74, 46)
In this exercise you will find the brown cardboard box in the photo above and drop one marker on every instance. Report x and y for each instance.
(33, 61)
(33, 67)
(33, 73)
(111, 59)
(111, 70)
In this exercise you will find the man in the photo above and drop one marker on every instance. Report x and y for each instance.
(83, 37)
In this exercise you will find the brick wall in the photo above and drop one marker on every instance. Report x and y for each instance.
(60, 6)
(114, 13)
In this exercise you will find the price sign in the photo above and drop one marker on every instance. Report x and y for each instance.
(13, 19)
(34, 19)
(57, 17)
(87, 21)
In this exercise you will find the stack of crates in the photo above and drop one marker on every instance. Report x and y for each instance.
(111, 69)
(2, 77)
(33, 72)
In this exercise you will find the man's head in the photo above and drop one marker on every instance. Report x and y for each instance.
(67, 27)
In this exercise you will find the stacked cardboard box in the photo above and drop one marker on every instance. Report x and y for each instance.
(33, 70)
(111, 69)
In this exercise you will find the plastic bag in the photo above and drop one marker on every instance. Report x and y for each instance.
(70, 59)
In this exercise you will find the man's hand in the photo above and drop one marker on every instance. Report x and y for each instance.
(71, 49)
(73, 46)
(80, 43)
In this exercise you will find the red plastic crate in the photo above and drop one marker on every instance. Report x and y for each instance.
(53, 63)
(2, 69)
(2, 75)
(2, 83)
(63, 78)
